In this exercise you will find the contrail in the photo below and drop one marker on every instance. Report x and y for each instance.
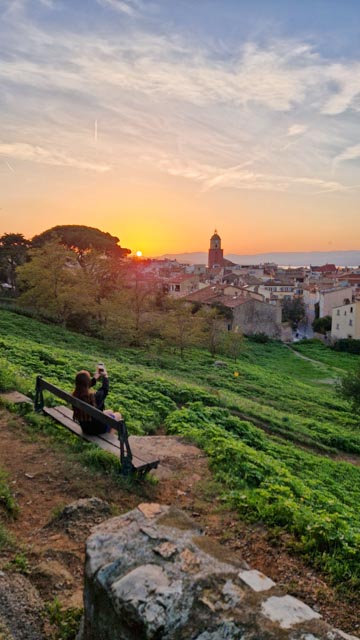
(95, 131)
(9, 166)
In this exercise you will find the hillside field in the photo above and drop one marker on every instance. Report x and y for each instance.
(283, 446)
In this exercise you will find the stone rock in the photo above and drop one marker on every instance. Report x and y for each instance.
(20, 609)
(149, 509)
(147, 576)
(220, 363)
(256, 580)
(287, 611)
(77, 518)
(166, 550)
(337, 635)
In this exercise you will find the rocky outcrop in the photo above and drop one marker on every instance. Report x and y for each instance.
(20, 609)
(77, 518)
(150, 574)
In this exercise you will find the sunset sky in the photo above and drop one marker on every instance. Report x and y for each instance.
(159, 120)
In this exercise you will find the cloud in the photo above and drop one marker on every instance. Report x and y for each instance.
(279, 75)
(350, 153)
(239, 177)
(296, 129)
(129, 7)
(31, 153)
(224, 119)
(344, 81)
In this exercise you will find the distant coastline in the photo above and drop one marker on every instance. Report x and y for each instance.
(283, 259)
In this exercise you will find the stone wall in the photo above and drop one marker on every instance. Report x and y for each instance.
(151, 575)
(254, 316)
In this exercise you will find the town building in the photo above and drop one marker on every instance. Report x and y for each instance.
(333, 297)
(346, 321)
(274, 290)
(242, 312)
(181, 284)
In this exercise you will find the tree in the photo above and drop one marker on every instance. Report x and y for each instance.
(293, 311)
(213, 327)
(349, 387)
(53, 284)
(81, 240)
(180, 327)
(13, 251)
(322, 325)
(233, 344)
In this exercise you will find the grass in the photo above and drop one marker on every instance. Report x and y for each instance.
(268, 431)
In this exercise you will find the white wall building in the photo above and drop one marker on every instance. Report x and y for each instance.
(334, 297)
(346, 321)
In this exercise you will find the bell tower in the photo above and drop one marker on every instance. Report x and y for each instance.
(216, 253)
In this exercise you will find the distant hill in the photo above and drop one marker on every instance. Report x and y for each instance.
(295, 259)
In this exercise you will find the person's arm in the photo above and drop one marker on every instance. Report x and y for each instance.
(94, 379)
(101, 393)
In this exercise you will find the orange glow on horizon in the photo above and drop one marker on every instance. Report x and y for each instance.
(169, 221)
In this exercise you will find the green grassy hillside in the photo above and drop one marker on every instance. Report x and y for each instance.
(270, 424)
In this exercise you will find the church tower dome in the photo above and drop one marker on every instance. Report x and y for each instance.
(216, 253)
(215, 241)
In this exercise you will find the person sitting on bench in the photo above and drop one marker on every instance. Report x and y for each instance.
(83, 391)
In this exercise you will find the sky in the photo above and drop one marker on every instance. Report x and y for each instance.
(160, 120)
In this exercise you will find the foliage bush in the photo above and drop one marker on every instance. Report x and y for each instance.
(347, 344)
(260, 338)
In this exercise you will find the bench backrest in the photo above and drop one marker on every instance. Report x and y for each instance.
(43, 385)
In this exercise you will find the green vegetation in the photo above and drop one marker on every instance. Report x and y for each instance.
(19, 563)
(8, 509)
(322, 325)
(265, 421)
(65, 622)
(348, 345)
(318, 351)
(349, 387)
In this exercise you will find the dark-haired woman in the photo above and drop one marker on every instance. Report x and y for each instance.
(84, 392)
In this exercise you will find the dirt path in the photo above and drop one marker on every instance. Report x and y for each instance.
(45, 479)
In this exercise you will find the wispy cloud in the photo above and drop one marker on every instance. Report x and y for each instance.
(296, 129)
(129, 7)
(240, 177)
(216, 118)
(31, 153)
(350, 153)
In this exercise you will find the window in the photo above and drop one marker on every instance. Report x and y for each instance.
(338, 312)
(337, 326)
(350, 323)
(351, 309)
(177, 287)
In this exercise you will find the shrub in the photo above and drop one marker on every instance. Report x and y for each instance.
(347, 344)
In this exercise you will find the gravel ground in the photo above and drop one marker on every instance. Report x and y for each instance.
(20, 609)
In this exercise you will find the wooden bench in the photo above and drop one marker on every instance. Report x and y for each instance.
(132, 462)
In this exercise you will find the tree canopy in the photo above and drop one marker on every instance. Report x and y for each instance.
(81, 239)
(293, 311)
(13, 250)
(322, 325)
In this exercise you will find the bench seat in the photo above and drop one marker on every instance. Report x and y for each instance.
(106, 441)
